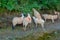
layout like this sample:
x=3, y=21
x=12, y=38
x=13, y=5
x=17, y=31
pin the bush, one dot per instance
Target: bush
x=27, y=5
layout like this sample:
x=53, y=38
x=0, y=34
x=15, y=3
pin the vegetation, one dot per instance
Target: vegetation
x=27, y=5
x=14, y=7
x=46, y=36
x=11, y=8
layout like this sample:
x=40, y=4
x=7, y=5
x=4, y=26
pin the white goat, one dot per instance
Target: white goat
x=52, y=17
x=17, y=20
x=26, y=21
x=39, y=21
x=36, y=13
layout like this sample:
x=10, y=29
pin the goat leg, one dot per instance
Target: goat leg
x=43, y=27
x=25, y=26
x=36, y=24
x=52, y=20
x=45, y=19
x=13, y=26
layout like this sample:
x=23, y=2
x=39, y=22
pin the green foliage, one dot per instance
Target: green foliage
x=11, y=4
x=46, y=36
x=27, y=5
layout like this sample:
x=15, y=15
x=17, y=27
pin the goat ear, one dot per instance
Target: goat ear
x=33, y=9
x=28, y=14
x=22, y=14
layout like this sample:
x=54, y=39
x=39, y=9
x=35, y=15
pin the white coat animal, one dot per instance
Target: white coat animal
x=17, y=20
x=39, y=21
x=26, y=21
x=36, y=13
x=52, y=17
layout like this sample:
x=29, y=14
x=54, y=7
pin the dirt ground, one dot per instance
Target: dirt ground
x=6, y=33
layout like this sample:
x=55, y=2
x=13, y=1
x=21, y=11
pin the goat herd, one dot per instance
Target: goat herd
x=37, y=18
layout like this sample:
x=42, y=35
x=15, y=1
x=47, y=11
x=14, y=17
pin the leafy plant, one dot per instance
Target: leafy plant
x=27, y=5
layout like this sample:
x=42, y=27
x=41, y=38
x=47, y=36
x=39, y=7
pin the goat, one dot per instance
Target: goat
x=36, y=13
x=17, y=20
x=39, y=21
x=52, y=17
x=26, y=21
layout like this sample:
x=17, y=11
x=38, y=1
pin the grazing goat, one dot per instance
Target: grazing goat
x=26, y=21
x=17, y=20
x=52, y=17
x=36, y=13
x=39, y=21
